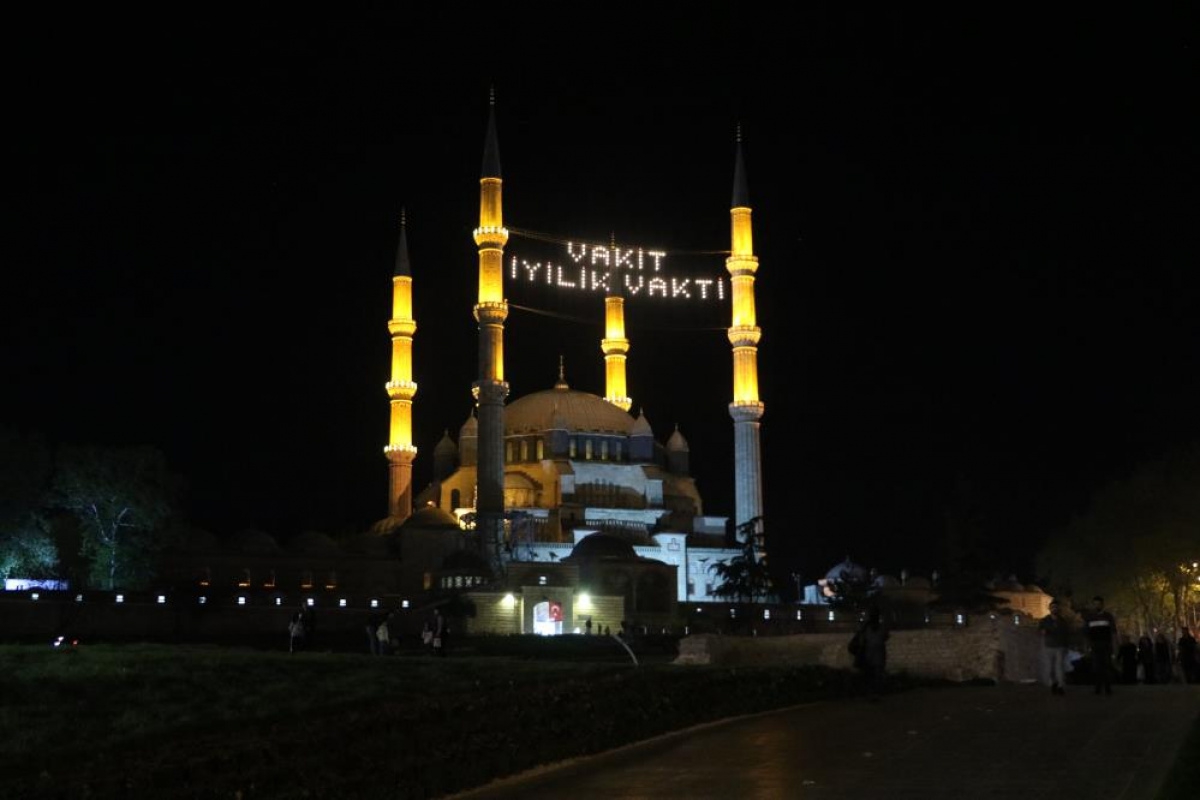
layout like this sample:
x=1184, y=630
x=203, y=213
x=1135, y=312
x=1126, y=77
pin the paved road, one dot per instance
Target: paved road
x=979, y=742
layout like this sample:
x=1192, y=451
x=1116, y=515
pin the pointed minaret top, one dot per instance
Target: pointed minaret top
x=741, y=195
x=491, y=145
x=402, y=265
x=562, y=375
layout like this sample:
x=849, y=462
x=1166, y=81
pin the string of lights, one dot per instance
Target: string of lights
x=599, y=323
x=539, y=236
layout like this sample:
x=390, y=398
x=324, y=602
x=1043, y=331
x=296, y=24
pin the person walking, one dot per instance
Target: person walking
x=1055, y=635
x=1127, y=657
x=1163, y=658
x=372, y=628
x=873, y=635
x=384, y=637
x=1145, y=658
x=1186, y=653
x=439, y=633
x=1101, y=628
x=296, y=633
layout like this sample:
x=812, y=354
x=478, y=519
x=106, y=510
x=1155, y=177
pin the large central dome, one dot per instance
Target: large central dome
x=562, y=407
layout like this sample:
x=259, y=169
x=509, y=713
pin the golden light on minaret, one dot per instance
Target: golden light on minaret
x=490, y=389
x=615, y=347
x=744, y=335
x=401, y=389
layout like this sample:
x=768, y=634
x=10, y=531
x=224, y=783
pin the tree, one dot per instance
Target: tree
x=122, y=498
x=745, y=578
x=1136, y=544
x=26, y=547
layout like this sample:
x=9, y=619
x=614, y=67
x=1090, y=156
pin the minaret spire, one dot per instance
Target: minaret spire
x=744, y=335
x=490, y=389
x=614, y=345
x=401, y=389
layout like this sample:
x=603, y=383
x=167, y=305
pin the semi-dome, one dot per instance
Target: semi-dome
x=446, y=445
x=470, y=427
x=253, y=541
x=313, y=542
x=847, y=571
x=603, y=546
x=561, y=406
x=431, y=516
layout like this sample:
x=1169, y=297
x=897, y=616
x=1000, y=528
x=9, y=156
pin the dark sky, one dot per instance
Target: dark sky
x=976, y=237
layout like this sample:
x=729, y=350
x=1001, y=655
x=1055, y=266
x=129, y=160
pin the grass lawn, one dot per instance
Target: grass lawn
x=149, y=720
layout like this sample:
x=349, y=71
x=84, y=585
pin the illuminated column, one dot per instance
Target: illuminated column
x=490, y=389
x=744, y=335
x=401, y=389
x=615, y=346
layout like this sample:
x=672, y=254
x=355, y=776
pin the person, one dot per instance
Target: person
x=1186, y=652
x=427, y=634
x=587, y=627
x=1101, y=627
x=296, y=633
x=439, y=633
x=1162, y=658
x=873, y=660
x=372, y=627
x=384, y=637
x=1054, y=631
x=1145, y=658
x=1127, y=657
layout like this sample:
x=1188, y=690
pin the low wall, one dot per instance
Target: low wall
x=994, y=650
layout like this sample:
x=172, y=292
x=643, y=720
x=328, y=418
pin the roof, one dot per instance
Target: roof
x=431, y=517
x=564, y=407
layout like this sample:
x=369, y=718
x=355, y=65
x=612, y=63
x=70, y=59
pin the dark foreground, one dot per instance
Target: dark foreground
x=979, y=742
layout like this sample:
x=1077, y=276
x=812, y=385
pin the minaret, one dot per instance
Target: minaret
x=401, y=389
x=490, y=389
x=614, y=345
x=744, y=335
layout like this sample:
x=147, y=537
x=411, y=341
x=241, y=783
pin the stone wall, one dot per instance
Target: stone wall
x=990, y=649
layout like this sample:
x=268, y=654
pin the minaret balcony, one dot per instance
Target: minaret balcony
x=489, y=391
x=401, y=390
x=741, y=265
x=618, y=347
x=402, y=327
x=744, y=335
x=746, y=411
x=400, y=452
x=491, y=313
x=622, y=403
x=491, y=236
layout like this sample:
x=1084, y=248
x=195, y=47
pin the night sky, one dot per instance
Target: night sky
x=977, y=278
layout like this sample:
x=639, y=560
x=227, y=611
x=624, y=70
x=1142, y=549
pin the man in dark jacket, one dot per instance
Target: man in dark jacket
x=1101, y=628
x=1054, y=632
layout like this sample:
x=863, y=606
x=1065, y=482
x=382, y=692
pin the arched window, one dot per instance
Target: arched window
x=541, y=449
x=524, y=450
x=587, y=449
x=616, y=451
x=270, y=582
x=331, y=581
x=244, y=583
x=306, y=580
x=508, y=452
x=604, y=449
x=574, y=448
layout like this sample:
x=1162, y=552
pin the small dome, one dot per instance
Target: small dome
x=446, y=445
x=431, y=517
x=677, y=442
x=253, y=541
x=198, y=540
x=368, y=544
x=847, y=570
x=313, y=542
x=469, y=428
x=641, y=426
x=604, y=546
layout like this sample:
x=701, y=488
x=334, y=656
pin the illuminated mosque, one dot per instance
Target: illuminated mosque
x=561, y=508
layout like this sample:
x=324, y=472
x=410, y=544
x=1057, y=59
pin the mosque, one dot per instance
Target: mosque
x=560, y=510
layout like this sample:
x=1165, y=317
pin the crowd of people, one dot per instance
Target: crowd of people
x=1149, y=660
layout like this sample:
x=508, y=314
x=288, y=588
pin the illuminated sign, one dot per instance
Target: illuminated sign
x=634, y=272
